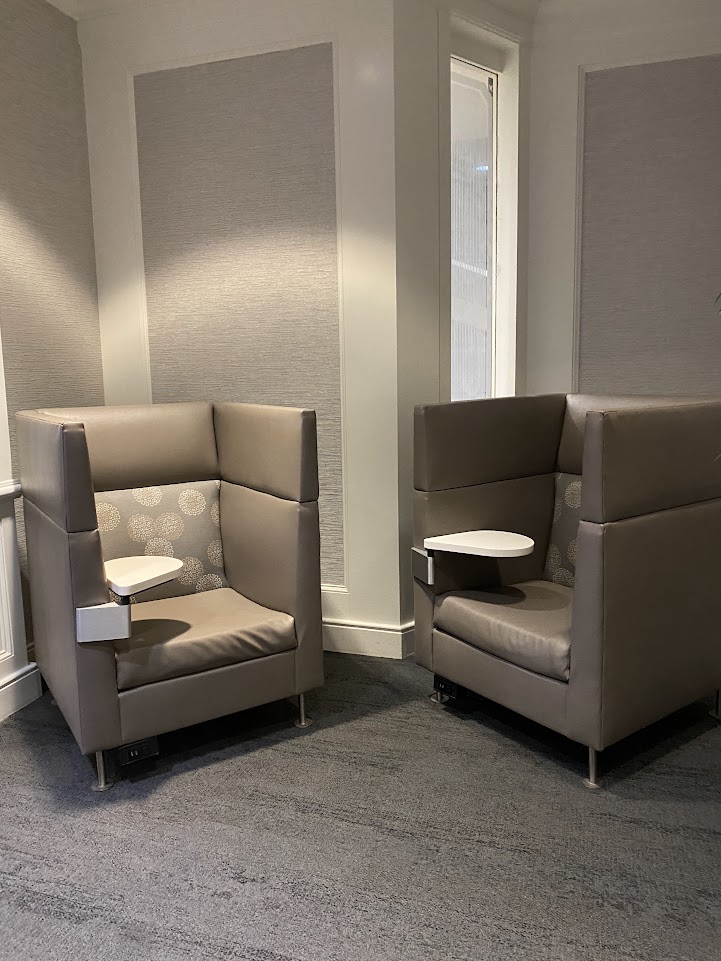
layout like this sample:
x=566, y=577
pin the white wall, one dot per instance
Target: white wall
x=388, y=55
x=364, y=614
x=50, y=350
x=570, y=36
x=427, y=33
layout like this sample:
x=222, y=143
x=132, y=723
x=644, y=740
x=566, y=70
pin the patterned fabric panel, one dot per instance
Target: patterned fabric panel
x=561, y=557
x=176, y=520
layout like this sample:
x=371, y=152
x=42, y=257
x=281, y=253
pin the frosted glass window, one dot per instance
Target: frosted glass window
x=472, y=230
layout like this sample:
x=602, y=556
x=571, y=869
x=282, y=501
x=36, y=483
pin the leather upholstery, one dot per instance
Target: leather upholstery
x=645, y=608
x=55, y=469
x=570, y=452
x=268, y=626
x=424, y=605
x=541, y=698
x=524, y=505
x=287, y=468
x=640, y=461
x=173, y=637
x=65, y=573
x=645, y=620
x=481, y=441
x=181, y=701
x=268, y=542
x=527, y=624
x=147, y=444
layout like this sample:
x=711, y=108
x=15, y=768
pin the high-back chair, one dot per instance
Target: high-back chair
x=613, y=620
x=231, y=490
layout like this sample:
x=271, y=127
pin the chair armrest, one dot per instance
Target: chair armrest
x=269, y=518
x=102, y=622
x=52, y=451
x=646, y=609
x=644, y=460
x=422, y=565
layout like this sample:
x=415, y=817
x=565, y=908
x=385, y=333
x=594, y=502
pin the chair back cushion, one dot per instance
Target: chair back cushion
x=143, y=444
x=570, y=453
x=171, y=520
x=560, y=566
x=560, y=563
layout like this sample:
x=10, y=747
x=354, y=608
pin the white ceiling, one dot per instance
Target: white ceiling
x=80, y=9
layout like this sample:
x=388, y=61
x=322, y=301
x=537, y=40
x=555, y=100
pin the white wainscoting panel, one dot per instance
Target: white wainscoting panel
x=19, y=680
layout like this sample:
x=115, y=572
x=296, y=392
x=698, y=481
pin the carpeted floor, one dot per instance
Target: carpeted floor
x=391, y=829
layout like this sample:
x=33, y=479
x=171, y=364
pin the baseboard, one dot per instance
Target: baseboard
x=19, y=690
x=371, y=640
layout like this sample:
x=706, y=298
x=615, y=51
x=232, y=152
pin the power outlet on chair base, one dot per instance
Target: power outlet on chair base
x=138, y=751
x=444, y=686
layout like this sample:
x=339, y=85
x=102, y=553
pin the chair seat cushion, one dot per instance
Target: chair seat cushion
x=177, y=636
x=527, y=624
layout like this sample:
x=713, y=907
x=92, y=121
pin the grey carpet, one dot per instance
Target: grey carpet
x=392, y=829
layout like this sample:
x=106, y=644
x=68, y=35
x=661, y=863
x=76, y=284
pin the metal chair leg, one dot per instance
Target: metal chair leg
x=716, y=710
x=438, y=698
x=303, y=720
x=103, y=782
x=592, y=780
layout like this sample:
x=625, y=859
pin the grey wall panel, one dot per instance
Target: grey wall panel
x=238, y=198
x=48, y=299
x=651, y=229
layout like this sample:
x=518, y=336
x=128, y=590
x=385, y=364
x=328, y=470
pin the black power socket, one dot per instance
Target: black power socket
x=138, y=751
x=444, y=686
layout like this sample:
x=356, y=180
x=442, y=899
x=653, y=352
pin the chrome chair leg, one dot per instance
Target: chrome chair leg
x=303, y=720
x=103, y=782
x=438, y=698
x=716, y=710
x=592, y=780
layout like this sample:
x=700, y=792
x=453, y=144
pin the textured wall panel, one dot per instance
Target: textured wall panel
x=48, y=299
x=651, y=250
x=238, y=197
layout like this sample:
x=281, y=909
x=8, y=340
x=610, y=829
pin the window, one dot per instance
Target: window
x=473, y=203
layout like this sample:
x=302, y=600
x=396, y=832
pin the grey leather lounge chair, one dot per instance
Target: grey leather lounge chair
x=613, y=621
x=229, y=489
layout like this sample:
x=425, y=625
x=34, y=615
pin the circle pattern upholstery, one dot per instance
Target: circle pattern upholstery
x=176, y=520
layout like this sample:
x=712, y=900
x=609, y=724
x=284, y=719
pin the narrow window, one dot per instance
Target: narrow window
x=473, y=201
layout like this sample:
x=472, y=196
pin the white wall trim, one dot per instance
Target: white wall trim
x=19, y=680
x=10, y=488
x=577, y=253
x=373, y=640
x=509, y=19
x=19, y=689
x=473, y=43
